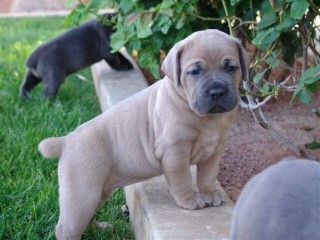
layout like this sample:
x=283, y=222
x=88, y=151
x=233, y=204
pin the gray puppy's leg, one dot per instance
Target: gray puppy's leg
x=52, y=82
x=30, y=81
x=118, y=62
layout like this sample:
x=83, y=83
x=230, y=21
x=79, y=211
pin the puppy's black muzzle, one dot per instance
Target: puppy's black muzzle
x=218, y=90
x=215, y=96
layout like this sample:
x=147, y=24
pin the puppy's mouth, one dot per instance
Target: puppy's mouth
x=219, y=109
x=206, y=104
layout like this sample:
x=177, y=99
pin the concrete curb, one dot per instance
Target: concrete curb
x=114, y=86
x=153, y=212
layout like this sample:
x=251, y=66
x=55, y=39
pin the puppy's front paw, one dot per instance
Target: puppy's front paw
x=192, y=203
x=212, y=199
x=101, y=225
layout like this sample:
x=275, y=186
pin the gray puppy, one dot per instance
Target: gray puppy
x=282, y=202
x=71, y=51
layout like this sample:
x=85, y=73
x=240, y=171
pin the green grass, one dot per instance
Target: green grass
x=29, y=192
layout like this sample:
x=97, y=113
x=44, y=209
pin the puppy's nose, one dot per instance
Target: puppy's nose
x=218, y=90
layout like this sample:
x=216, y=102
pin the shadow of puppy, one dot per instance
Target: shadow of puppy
x=77, y=48
x=282, y=202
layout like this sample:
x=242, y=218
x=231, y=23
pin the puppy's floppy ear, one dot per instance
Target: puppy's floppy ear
x=171, y=64
x=244, y=61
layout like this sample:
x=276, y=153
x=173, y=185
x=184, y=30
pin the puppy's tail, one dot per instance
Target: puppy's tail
x=51, y=147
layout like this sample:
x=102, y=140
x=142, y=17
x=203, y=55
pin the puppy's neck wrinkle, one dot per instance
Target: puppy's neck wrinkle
x=177, y=95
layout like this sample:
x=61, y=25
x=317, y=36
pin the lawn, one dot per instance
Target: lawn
x=29, y=192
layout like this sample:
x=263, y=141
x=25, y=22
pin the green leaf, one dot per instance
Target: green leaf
x=143, y=26
x=270, y=38
x=145, y=56
x=156, y=41
x=272, y=60
x=313, y=145
x=117, y=41
x=287, y=24
x=162, y=19
x=144, y=32
x=266, y=37
x=165, y=28
x=313, y=87
x=126, y=5
x=135, y=44
x=258, y=76
x=181, y=22
x=146, y=20
x=277, y=4
x=304, y=95
x=69, y=3
x=267, y=20
x=308, y=82
x=75, y=16
x=167, y=4
x=265, y=88
x=154, y=68
x=95, y=5
x=298, y=8
x=234, y=2
x=167, y=12
x=310, y=76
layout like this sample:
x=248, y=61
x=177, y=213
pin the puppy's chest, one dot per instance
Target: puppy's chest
x=204, y=147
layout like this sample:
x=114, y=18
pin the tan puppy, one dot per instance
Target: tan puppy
x=181, y=120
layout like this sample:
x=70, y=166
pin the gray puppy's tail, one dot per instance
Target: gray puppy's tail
x=51, y=147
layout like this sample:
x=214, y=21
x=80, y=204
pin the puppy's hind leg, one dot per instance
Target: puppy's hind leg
x=104, y=196
x=76, y=211
x=80, y=192
x=29, y=82
x=52, y=81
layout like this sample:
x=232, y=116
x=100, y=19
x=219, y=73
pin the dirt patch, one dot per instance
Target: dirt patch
x=250, y=148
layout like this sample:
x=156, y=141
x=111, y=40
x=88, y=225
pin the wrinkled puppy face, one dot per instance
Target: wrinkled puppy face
x=210, y=65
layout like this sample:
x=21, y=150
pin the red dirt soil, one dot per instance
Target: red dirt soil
x=250, y=148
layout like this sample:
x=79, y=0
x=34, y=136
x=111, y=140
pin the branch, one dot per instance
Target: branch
x=314, y=7
x=262, y=121
x=228, y=19
x=254, y=106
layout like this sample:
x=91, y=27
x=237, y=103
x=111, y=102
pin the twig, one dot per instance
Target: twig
x=228, y=19
x=245, y=23
x=218, y=19
x=287, y=88
x=286, y=66
x=249, y=106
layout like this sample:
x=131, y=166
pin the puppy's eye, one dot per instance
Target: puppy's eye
x=194, y=72
x=231, y=69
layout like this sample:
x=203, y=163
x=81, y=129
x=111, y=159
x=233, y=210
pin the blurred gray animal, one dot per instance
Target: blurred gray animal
x=282, y=202
x=71, y=51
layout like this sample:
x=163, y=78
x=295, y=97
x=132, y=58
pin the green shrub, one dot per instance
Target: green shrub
x=286, y=30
